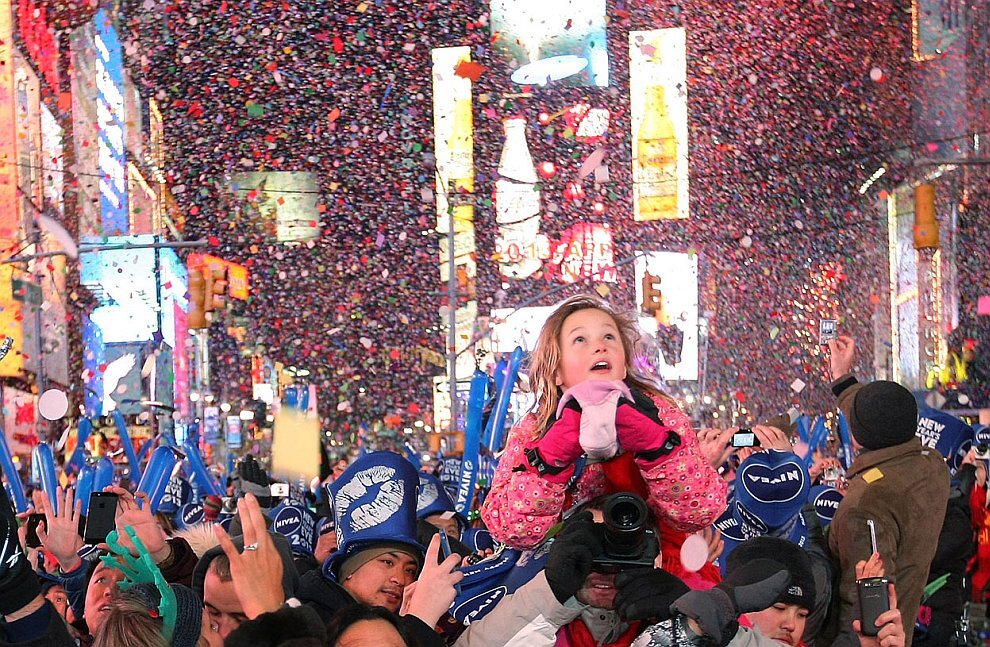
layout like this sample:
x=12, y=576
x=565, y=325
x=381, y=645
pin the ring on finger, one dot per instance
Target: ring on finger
x=253, y=546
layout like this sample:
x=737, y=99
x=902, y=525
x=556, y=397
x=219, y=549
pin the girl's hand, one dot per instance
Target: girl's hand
x=59, y=533
x=716, y=445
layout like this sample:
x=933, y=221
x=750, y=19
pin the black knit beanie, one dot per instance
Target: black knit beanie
x=801, y=590
x=189, y=611
x=883, y=414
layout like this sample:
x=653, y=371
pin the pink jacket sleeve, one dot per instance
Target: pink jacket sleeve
x=684, y=490
x=521, y=506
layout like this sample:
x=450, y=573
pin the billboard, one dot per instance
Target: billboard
x=285, y=199
x=675, y=327
x=110, y=119
x=904, y=289
x=9, y=217
x=552, y=42
x=124, y=280
x=19, y=420
x=658, y=106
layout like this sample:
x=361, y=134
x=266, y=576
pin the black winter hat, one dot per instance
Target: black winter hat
x=801, y=590
x=883, y=414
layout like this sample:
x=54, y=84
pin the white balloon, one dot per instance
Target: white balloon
x=694, y=553
x=53, y=404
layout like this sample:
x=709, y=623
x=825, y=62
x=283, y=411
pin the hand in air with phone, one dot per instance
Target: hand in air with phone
x=429, y=597
x=880, y=623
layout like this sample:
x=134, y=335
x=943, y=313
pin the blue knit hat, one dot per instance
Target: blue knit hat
x=771, y=487
x=374, y=502
x=826, y=500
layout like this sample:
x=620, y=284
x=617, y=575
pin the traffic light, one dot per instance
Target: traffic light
x=651, y=295
x=196, y=318
x=216, y=288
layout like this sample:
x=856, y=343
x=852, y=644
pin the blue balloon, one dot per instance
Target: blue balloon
x=13, y=476
x=104, y=474
x=84, y=430
x=157, y=475
x=44, y=461
x=472, y=443
x=84, y=486
x=125, y=442
x=203, y=480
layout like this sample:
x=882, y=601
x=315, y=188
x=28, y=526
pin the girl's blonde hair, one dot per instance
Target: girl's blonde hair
x=545, y=358
x=129, y=624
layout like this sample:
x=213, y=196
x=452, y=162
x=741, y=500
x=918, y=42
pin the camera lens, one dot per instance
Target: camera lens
x=625, y=518
x=982, y=449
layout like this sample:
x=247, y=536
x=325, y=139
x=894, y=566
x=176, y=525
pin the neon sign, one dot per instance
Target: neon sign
x=111, y=119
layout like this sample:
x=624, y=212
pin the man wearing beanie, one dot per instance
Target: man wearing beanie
x=895, y=482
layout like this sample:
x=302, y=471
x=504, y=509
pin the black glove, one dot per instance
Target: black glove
x=752, y=587
x=571, y=555
x=18, y=583
x=255, y=480
x=647, y=593
x=966, y=476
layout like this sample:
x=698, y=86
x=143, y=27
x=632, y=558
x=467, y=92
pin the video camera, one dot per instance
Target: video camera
x=629, y=543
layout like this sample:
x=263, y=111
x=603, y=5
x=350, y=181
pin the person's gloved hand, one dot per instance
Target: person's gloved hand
x=641, y=430
x=647, y=593
x=571, y=555
x=18, y=582
x=598, y=400
x=254, y=480
x=553, y=455
x=752, y=587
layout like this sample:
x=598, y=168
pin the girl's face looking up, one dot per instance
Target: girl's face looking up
x=590, y=349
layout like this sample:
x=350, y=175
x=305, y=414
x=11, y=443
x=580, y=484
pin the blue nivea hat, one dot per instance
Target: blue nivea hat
x=826, y=500
x=478, y=539
x=374, y=502
x=490, y=580
x=433, y=499
x=981, y=434
x=188, y=515
x=771, y=487
x=948, y=435
x=177, y=493
x=296, y=523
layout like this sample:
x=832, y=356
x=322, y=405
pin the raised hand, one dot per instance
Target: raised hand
x=433, y=592
x=716, y=445
x=135, y=511
x=257, y=570
x=842, y=352
x=891, y=624
x=59, y=533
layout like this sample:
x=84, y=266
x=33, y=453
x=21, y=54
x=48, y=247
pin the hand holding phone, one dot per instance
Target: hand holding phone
x=828, y=329
x=32, y=540
x=102, y=517
x=874, y=598
x=745, y=438
x=445, y=552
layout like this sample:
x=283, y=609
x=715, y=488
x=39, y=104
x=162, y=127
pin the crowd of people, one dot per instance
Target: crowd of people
x=610, y=521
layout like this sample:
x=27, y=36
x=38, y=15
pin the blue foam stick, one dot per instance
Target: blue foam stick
x=146, y=447
x=205, y=483
x=501, y=410
x=846, y=440
x=472, y=443
x=84, y=429
x=818, y=434
x=499, y=378
x=104, y=474
x=157, y=474
x=13, y=476
x=84, y=486
x=804, y=428
x=125, y=442
x=44, y=460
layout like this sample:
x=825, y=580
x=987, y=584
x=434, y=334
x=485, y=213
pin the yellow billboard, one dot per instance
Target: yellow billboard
x=658, y=106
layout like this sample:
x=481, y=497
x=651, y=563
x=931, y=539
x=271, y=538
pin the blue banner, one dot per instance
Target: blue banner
x=472, y=443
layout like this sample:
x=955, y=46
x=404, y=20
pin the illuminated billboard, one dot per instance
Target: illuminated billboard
x=286, y=199
x=111, y=118
x=658, y=106
x=124, y=280
x=675, y=327
x=552, y=42
x=904, y=292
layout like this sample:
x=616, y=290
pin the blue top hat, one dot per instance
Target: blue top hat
x=826, y=500
x=433, y=499
x=296, y=523
x=736, y=526
x=948, y=435
x=771, y=487
x=374, y=502
x=177, y=493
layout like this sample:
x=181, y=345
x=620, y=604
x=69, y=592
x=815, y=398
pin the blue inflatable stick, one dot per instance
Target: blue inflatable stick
x=472, y=443
x=804, y=428
x=205, y=483
x=82, y=435
x=104, y=475
x=819, y=432
x=496, y=424
x=84, y=486
x=13, y=476
x=44, y=461
x=846, y=440
x=125, y=442
x=157, y=475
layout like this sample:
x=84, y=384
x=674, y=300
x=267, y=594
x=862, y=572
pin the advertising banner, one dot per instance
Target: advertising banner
x=111, y=120
x=19, y=419
x=658, y=105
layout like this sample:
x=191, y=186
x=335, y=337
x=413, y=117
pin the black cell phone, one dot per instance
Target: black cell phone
x=873, y=601
x=32, y=540
x=745, y=438
x=102, y=517
x=445, y=553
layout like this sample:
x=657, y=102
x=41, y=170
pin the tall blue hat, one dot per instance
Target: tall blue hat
x=826, y=500
x=478, y=539
x=177, y=493
x=374, y=502
x=948, y=435
x=324, y=526
x=296, y=523
x=771, y=488
x=188, y=515
x=433, y=499
x=981, y=434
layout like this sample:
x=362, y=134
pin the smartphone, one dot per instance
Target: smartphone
x=445, y=553
x=745, y=438
x=830, y=474
x=32, y=540
x=102, y=517
x=873, y=596
x=828, y=329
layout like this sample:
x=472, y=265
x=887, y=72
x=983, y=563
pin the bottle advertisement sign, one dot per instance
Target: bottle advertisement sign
x=658, y=105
